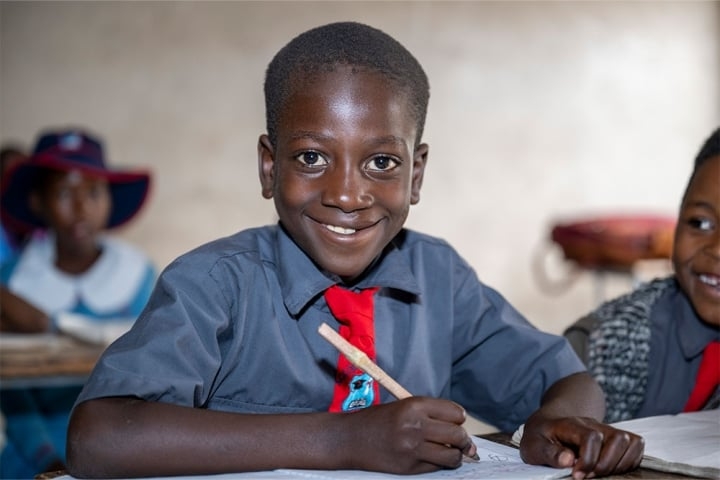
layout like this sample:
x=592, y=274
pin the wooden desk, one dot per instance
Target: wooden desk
x=41, y=360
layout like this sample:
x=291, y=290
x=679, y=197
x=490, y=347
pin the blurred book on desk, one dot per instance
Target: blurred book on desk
x=61, y=358
x=92, y=330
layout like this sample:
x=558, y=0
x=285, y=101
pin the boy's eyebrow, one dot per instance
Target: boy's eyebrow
x=390, y=139
x=700, y=204
x=385, y=140
x=299, y=135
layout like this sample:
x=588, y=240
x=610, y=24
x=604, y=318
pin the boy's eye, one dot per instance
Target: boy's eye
x=312, y=159
x=63, y=193
x=97, y=190
x=700, y=223
x=382, y=163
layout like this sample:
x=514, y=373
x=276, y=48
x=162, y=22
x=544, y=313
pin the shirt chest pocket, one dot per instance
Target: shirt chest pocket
x=260, y=382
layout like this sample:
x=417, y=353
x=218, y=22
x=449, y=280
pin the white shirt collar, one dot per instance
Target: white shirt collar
x=107, y=286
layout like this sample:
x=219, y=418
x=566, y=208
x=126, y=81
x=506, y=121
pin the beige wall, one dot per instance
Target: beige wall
x=538, y=111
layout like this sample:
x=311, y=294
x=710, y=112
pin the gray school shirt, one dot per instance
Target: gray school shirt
x=232, y=326
x=677, y=340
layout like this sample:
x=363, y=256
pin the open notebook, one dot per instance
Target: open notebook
x=687, y=443
x=496, y=462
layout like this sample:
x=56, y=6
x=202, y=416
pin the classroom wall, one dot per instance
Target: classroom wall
x=539, y=111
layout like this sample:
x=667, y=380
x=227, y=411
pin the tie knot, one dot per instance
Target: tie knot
x=354, y=309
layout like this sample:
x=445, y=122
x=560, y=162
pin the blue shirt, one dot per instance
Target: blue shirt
x=7, y=249
x=677, y=340
x=233, y=325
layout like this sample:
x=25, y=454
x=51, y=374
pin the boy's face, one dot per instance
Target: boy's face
x=76, y=207
x=696, y=251
x=345, y=169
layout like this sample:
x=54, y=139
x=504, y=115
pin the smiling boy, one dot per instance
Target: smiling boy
x=647, y=347
x=225, y=370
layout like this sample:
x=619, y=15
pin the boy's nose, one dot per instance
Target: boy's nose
x=712, y=248
x=346, y=188
x=82, y=204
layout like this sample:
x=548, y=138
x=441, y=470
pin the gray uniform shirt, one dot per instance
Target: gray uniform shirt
x=233, y=325
x=677, y=340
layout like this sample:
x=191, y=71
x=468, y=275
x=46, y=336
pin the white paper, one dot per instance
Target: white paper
x=93, y=331
x=496, y=462
x=683, y=443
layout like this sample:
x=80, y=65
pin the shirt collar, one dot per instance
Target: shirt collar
x=693, y=334
x=107, y=286
x=301, y=281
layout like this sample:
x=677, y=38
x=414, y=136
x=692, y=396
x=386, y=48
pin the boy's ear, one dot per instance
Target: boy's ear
x=266, y=165
x=419, y=161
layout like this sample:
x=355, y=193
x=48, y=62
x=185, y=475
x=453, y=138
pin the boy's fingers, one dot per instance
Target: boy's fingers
x=445, y=411
x=555, y=455
x=470, y=451
x=446, y=433
x=442, y=456
x=619, y=451
x=452, y=436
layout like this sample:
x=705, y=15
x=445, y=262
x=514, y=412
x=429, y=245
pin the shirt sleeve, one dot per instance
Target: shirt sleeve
x=6, y=270
x=503, y=364
x=144, y=291
x=578, y=334
x=171, y=354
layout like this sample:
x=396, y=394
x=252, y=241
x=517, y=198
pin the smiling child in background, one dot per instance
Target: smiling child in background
x=66, y=188
x=646, y=348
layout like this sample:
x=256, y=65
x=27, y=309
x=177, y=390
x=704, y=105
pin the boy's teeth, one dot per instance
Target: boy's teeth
x=344, y=231
x=710, y=280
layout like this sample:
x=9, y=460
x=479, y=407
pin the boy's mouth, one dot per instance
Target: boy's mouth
x=711, y=280
x=709, y=284
x=340, y=230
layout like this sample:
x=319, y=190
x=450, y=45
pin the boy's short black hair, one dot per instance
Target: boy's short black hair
x=709, y=149
x=7, y=153
x=349, y=44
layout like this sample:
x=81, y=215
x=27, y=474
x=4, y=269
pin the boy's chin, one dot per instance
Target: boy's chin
x=348, y=274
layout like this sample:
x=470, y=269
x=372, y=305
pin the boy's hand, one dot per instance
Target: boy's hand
x=414, y=435
x=592, y=448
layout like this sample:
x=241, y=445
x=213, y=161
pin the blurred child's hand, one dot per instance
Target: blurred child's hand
x=592, y=448
x=409, y=436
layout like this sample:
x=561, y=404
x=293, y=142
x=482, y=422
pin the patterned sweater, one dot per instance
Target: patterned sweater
x=619, y=346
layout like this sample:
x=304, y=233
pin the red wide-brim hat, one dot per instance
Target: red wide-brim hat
x=72, y=151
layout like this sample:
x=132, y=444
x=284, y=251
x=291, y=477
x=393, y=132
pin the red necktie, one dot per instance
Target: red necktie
x=354, y=389
x=708, y=378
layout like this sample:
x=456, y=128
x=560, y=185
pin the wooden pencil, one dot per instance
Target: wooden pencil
x=360, y=359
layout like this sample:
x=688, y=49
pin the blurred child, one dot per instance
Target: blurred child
x=66, y=188
x=225, y=370
x=12, y=235
x=646, y=348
